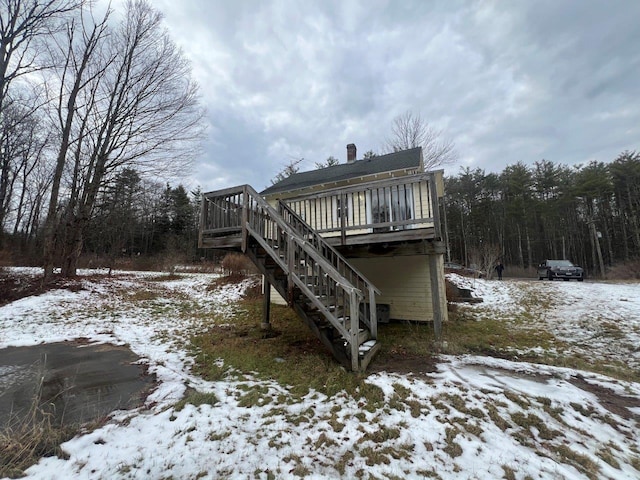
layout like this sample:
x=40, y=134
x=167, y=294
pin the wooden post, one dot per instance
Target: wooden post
x=204, y=214
x=342, y=199
x=291, y=259
x=373, y=314
x=354, y=331
x=436, y=296
x=245, y=217
x=435, y=208
x=266, y=305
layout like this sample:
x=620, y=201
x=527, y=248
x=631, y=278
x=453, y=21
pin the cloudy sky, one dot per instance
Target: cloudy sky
x=505, y=81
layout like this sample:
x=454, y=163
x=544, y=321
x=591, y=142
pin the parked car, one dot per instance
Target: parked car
x=564, y=269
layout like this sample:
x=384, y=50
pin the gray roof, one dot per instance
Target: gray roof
x=406, y=159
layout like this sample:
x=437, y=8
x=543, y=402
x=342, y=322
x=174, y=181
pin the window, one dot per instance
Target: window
x=390, y=205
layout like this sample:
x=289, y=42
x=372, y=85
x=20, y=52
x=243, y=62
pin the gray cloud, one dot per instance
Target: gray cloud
x=506, y=81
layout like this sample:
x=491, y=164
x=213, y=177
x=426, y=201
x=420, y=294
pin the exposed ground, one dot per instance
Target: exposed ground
x=14, y=287
x=539, y=381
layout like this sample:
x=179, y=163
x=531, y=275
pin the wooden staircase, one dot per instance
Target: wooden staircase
x=328, y=294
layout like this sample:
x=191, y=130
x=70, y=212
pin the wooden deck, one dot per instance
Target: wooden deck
x=301, y=245
x=403, y=209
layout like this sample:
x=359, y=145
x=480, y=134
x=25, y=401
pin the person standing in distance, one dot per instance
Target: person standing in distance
x=499, y=269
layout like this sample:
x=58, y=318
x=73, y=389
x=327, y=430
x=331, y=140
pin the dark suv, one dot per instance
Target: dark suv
x=563, y=269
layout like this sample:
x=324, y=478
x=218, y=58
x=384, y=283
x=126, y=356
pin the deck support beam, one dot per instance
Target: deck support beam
x=266, y=305
x=438, y=293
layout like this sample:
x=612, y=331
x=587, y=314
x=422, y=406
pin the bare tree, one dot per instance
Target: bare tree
x=22, y=22
x=484, y=257
x=409, y=130
x=127, y=100
x=75, y=75
x=23, y=140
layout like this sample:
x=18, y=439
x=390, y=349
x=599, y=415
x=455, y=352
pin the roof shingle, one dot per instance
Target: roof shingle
x=406, y=159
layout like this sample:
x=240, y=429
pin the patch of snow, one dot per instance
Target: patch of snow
x=466, y=420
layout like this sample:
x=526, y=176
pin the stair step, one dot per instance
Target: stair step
x=366, y=346
x=367, y=351
x=330, y=300
x=363, y=337
x=312, y=306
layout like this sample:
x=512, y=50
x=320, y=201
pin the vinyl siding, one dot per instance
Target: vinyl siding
x=277, y=298
x=404, y=282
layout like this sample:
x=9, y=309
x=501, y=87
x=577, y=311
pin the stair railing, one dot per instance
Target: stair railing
x=299, y=260
x=338, y=261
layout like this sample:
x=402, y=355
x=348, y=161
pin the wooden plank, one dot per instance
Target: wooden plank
x=368, y=356
x=223, y=243
x=224, y=192
x=221, y=231
x=386, y=237
x=434, y=205
x=354, y=328
x=436, y=296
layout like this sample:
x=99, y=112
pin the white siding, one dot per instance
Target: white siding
x=404, y=282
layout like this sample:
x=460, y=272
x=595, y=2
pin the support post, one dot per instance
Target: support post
x=342, y=202
x=204, y=214
x=245, y=217
x=291, y=259
x=354, y=331
x=373, y=314
x=435, y=208
x=438, y=294
x=266, y=305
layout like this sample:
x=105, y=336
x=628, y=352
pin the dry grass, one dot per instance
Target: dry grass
x=583, y=463
x=25, y=442
x=629, y=270
x=244, y=347
x=31, y=436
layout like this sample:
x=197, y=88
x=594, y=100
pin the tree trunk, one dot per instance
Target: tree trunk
x=529, y=253
x=520, y=250
x=72, y=248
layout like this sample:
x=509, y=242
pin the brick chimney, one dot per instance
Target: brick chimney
x=351, y=153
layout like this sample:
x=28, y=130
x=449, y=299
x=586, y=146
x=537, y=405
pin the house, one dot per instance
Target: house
x=346, y=246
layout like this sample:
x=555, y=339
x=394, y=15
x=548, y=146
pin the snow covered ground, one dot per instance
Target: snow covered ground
x=476, y=417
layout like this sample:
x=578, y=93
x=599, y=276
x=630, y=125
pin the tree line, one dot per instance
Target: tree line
x=93, y=104
x=585, y=213
x=95, y=108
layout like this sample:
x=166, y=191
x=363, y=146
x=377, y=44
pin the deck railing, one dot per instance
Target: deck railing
x=402, y=203
x=334, y=257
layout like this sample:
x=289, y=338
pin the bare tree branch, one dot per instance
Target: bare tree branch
x=21, y=23
x=410, y=131
x=130, y=103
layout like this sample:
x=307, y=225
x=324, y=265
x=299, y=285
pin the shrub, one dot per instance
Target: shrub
x=629, y=270
x=236, y=265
